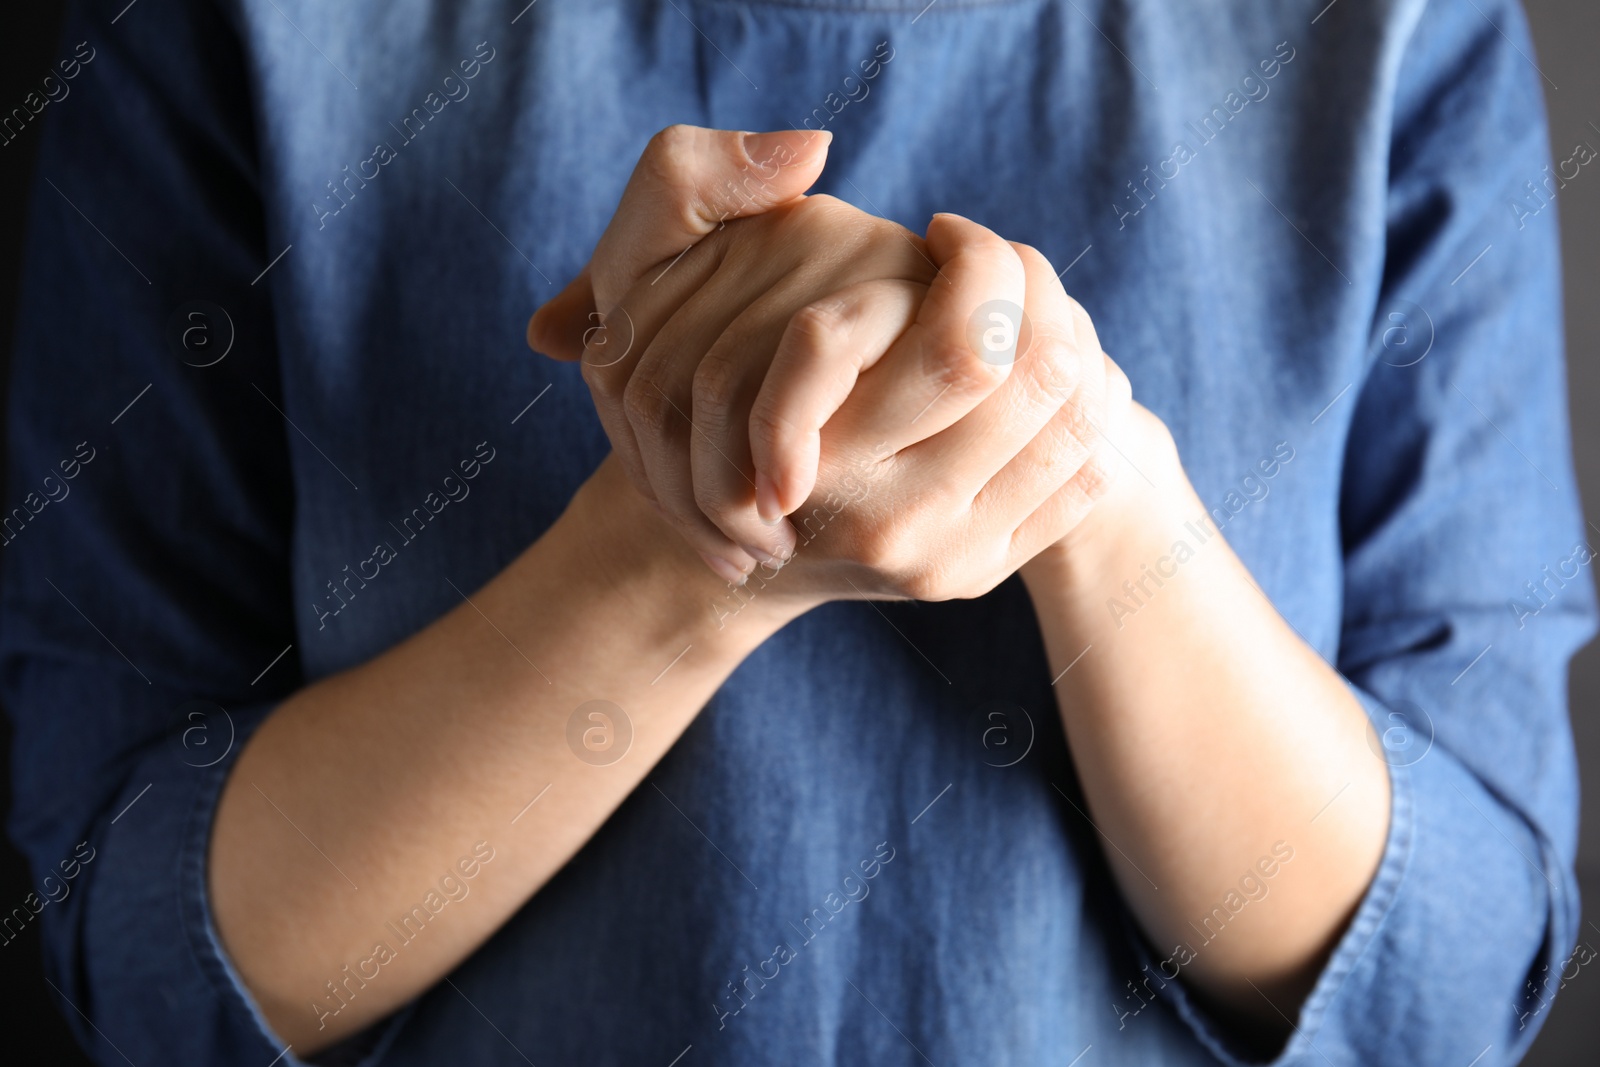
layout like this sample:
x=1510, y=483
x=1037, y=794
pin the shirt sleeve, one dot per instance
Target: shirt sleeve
x=1467, y=581
x=145, y=612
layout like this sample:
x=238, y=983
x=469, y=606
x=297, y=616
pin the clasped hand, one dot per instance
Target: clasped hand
x=768, y=364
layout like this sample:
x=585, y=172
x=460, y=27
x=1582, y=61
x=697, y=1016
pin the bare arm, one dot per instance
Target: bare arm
x=398, y=767
x=1205, y=733
x=359, y=792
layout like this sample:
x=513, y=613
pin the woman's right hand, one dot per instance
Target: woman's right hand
x=945, y=469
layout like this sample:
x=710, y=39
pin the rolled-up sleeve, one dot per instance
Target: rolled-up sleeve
x=1468, y=579
x=145, y=627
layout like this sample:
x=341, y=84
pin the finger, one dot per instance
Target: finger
x=659, y=404
x=688, y=182
x=1026, y=439
x=1068, y=506
x=935, y=374
x=824, y=349
x=815, y=356
x=561, y=326
x=1058, y=454
x=723, y=390
x=613, y=349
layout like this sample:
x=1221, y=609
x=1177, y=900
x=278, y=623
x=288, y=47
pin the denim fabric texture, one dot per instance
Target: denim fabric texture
x=1298, y=232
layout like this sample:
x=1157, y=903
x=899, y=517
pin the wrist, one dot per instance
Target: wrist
x=621, y=548
x=1149, y=500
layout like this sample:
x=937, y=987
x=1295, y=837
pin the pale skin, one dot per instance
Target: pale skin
x=1204, y=730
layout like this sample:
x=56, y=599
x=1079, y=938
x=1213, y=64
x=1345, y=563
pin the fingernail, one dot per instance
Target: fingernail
x=725, y=570
x=762, y=147
x=767, y=505
x=768, y=559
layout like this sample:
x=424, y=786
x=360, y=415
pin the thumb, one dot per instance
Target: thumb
x=688, y=182
x=560, y=328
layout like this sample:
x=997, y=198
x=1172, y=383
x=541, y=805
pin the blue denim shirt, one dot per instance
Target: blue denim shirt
x=281, y=258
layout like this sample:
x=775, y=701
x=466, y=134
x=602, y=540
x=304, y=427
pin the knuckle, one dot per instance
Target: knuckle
x=712, y=500
x=1067, y=458
x=1095, y=477
x=1066, y=447
x=716, y=386
x=820, y=328
x=1081, y=426
x=647, y=408
x=840, y=219
x=607, y=383
x=824, y=206
x=670, y=159
x=956, y=367
x=669, y=152
x=975, y=245
x=1119, y=389
x=771, y=428
x=1031, y=257
x=993, y=253
x=1116, y=378
x=1055, y=364
x=1082, y=326
x=849, y=231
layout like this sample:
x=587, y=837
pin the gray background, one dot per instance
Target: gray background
x=1567, y=33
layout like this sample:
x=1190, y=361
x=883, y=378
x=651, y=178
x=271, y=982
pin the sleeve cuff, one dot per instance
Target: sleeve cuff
x=362, y=1050
x=1358, y=938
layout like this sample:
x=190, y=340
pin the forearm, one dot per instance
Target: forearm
x=397, y=768
x=1205, y=732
